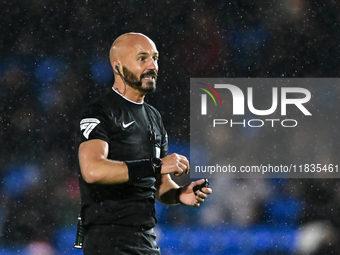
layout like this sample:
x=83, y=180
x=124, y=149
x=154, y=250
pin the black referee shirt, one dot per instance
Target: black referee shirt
x=133, y=131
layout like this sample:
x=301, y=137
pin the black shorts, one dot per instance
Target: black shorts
x=120, y=240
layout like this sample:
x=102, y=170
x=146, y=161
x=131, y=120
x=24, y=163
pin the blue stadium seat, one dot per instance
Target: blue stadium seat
x=260, y=239
x=283, y=210
x=13, y=251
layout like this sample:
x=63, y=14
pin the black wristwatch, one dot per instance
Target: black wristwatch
x=157, y=164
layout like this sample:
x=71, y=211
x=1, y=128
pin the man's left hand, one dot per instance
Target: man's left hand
x=188, y=197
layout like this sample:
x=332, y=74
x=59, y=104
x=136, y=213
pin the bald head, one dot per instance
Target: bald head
x=127, y=42
x=134, y=59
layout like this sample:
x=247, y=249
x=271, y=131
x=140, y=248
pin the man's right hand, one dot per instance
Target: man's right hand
x=176, y=164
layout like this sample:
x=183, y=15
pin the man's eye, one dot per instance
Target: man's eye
x=155, y=59
x=141, y=59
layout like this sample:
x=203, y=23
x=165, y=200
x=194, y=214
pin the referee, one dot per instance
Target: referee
x=123, y=157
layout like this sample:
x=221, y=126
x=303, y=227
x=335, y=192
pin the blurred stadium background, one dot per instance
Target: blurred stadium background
x=54, y=58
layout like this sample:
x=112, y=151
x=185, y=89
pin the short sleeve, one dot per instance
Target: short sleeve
x=93, y=124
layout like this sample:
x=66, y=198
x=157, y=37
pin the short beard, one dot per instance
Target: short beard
x=129, y=76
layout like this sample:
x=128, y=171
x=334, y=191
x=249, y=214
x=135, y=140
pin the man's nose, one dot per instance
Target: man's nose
x=153, y=64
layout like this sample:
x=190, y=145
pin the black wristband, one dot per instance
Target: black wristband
x=139, y=169
x=178, y=193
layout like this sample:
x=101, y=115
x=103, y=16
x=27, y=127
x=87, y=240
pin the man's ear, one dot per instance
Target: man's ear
x=116, y=66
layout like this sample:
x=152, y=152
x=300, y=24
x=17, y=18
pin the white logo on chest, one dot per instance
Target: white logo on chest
x=128, y=124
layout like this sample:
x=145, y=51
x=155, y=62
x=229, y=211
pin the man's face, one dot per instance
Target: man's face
x=140, y=63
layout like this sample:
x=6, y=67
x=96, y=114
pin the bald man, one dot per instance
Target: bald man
x=123, y=157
